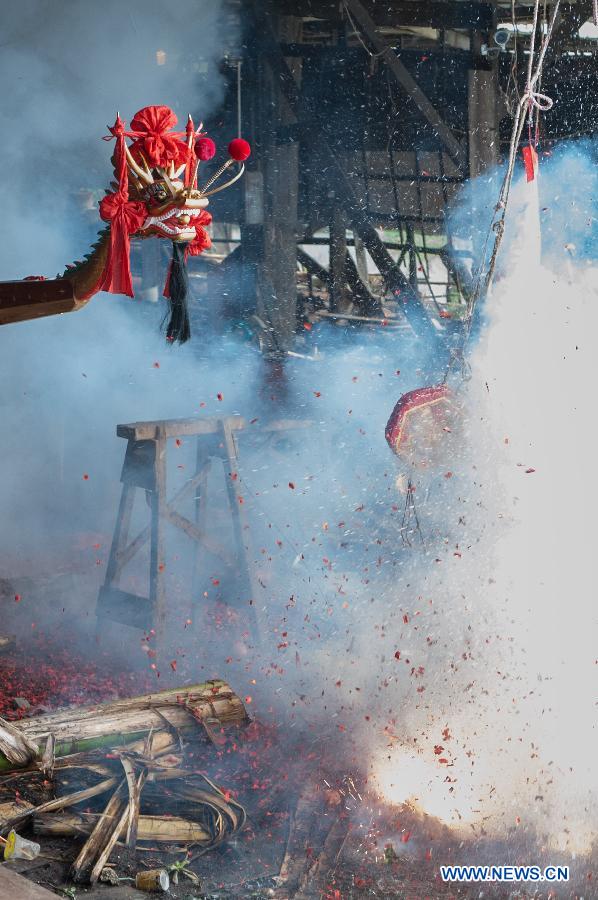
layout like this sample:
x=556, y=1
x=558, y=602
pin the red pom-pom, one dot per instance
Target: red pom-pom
x=239, y=149
x=205, y=148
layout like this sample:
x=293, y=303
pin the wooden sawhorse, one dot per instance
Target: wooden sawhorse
x=145, y=469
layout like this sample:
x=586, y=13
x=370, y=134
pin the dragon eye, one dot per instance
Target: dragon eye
x=158, y=191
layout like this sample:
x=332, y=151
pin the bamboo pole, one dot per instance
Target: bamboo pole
x=79, y=730
x=157, y=829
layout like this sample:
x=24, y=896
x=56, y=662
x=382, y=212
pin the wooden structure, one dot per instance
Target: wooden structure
x=145, y=469
x=367, y=116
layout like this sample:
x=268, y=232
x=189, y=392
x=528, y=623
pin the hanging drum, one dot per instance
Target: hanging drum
x=420, y=426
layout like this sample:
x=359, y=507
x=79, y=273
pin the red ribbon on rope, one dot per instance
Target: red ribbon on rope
x=530, y=160
x=125, y=217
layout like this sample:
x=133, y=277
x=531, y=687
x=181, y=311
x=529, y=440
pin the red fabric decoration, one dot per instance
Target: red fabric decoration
x=239, y=149
x=530, y=159
x=151, y=126
x=202, y=238
x=205, y=149
x=125, y=217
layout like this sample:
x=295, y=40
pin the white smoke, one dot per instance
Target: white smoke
x=519, y=700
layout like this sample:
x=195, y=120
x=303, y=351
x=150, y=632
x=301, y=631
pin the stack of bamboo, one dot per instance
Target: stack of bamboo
x=142, y=774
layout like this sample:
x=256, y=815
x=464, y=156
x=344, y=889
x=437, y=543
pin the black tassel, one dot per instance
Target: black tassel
x=178, y=328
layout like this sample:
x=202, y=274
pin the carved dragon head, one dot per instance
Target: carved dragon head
x=156, y=193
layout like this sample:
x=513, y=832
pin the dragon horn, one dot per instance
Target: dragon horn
x=139, y=172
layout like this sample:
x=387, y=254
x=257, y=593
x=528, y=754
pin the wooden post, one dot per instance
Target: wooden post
x=412, y=259
x=242, y=536
x=338, y=256
x=157, y=561
x=121, y=534
x=483, y=120
x=270, y=235
x=361, y=260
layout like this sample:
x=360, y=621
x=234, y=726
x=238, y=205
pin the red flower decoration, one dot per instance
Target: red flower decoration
x=239, y=149
x=205, y=148
x=150, y=126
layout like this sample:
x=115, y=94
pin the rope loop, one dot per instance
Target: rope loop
x=538, y=100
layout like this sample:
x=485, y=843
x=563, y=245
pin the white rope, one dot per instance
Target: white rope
x=531, y=99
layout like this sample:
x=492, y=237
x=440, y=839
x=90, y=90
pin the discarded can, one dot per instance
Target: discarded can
x=155, y=880
x=17, y=847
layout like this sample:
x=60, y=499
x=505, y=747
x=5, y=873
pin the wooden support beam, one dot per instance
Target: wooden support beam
x=393, y=13
x=313, y=266
x=407, y=82
x=338, y=256
x=271, y=193
x=157, y=591
x=484, y=139
x=358, y=282
x=334, y=173
x=359, y=289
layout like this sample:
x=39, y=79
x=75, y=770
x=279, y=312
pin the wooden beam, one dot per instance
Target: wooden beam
x=359, y=289
x=313, y=266
x=173, y=428
x=427, y=14
x=406, y=81
x=338, y=255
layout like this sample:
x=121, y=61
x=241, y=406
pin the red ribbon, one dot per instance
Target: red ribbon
x=125, y=217
x=530, y=160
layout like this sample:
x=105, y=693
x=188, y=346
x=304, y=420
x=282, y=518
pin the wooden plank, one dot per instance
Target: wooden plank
x=202, y=537
x=16, y=887
x=139, y=431
x=190, y=427
x=407, y=82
